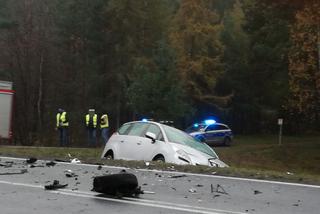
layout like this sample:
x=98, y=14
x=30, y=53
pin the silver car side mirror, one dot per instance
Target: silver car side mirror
x=151, y=136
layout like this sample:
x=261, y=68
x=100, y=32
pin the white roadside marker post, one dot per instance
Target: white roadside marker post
x=280, y=123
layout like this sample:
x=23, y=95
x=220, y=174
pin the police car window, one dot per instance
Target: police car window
x=124, y=129
x=211, y=128
x=154, y=129
x=221, y=127
x=138, y=129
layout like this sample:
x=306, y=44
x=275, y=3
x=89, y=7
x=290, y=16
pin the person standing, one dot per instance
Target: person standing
x=104, y=126
x=91, y=124
x=62, y=125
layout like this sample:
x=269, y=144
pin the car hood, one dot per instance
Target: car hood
x=199, y=158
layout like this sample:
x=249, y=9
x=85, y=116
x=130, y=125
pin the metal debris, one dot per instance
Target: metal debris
x=7, y=165
x=70, y=173
x=55, y=185
x=99, y=167
x=21, y=171
x=51, y=163
x=177, y=176
x=75, y=161
x=33, y=166
x=218, y=189
x=31, y=160
x=257, y=192
x=192, y=190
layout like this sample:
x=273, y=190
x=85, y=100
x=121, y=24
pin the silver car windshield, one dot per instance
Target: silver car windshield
x=180, y=137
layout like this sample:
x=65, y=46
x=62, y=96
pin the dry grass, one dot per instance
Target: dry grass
x=252, y=156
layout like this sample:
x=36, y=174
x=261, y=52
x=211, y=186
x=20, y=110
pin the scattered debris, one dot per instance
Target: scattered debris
x=121, y=184
x=75, y=161
x=192, y=190
x=22, y=171
x=213, y=173
x=177, y=176
x=218, y=189
x=99, y=167
x=59, y=160
x=51, y=163
x=171, y=168
x=216, y=195
x=6, y=165
x=33, y=166
x=145, y=184
x=31, y=160
x=296, y=205
x=174, y=188
x=55, y=185
x=70, y=173
x=199, y=185
x=257, y=192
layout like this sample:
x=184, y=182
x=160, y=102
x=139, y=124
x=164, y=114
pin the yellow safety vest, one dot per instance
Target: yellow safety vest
x=58, y=120
x=104, y=123
x=62, y=120
x=94, y=120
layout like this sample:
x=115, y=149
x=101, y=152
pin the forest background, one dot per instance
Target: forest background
x=244, y=62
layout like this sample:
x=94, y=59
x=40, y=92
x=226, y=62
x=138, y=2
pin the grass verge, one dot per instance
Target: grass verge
x=256, y=157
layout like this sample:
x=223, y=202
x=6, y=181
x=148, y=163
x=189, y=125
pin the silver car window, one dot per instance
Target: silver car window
x=154, y=129
x=124, y=129
x=180, y=137
x=138, y=129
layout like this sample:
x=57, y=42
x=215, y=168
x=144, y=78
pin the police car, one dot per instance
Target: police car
x=211, y=132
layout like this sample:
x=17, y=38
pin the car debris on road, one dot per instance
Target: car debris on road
x=218, y=189
x=55, y=185
x=19, y=172
x=119, y=185
x=31, y=160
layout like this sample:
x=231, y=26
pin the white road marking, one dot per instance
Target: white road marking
x=133, y=201
x=193, y=174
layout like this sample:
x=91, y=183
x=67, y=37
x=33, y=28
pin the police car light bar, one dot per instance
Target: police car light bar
x=209, y=122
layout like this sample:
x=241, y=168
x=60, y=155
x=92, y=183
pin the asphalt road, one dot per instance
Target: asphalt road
x=190, y=193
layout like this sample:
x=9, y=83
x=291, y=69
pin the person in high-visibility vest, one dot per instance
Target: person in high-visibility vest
x=104, y=126
x=91, y=124
x=62, y=125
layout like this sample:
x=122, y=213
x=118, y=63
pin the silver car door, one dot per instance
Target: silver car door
x=130, y=146
x=148, y=148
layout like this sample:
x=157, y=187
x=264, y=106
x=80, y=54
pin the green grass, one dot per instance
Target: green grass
x=296, y=154
x=296, y=160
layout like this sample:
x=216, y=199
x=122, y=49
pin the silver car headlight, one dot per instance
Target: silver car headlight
x=182, y=155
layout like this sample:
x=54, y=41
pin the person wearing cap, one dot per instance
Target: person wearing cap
x=91, y=125
x=104, y=126
x=62, y=125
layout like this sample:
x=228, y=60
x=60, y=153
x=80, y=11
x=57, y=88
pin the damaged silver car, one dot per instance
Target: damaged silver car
x=152, y=141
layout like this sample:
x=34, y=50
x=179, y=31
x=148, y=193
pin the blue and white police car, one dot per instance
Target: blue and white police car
x=211, y=133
